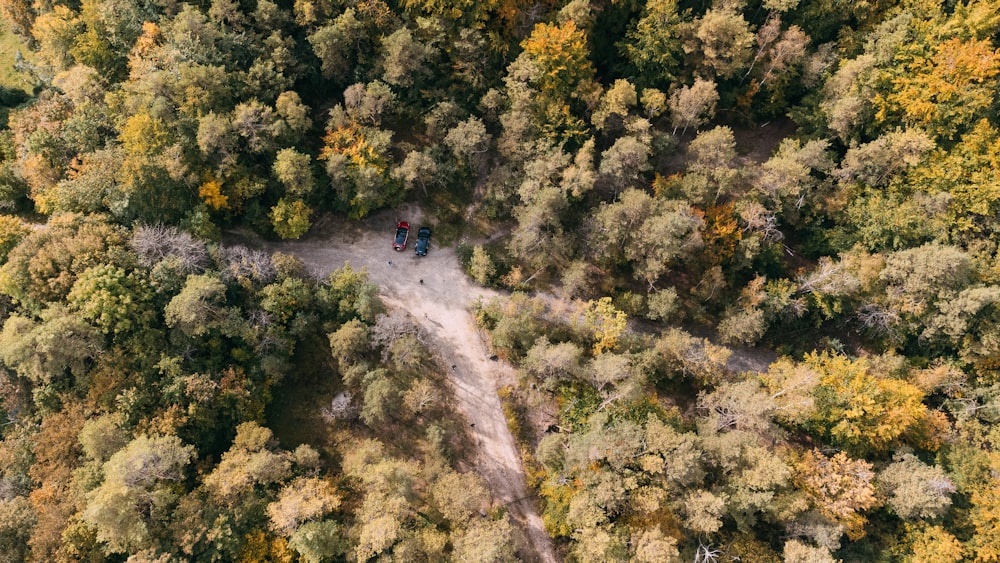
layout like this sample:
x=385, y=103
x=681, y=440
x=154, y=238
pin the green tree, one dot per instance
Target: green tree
x=418, y=168
x=713, y=174
x=916, y=490
x=294, y=115
x=691, y=106
x=43, y=352
x=352, y=295
x=687, y=356
x=302, y=500
x=481, y=266
x=318, y=541
x=551, y=363
x=654, y=45
x=486, y=540
x=403, y=58
x=919, y=279
x=137, y=494
x=17, y=519
x=720, y=42
x=290, y=218
x=468, y=140
x=650, y=234
x=113, y=300
x=44, y=266
x=199, y=307
x=876, y=163
x=368, y=103
x=252, y=461
x=293, y=169
x=336, y=44
x=538, y=240
x=217, y=137
x=102, y=437
x=625, y=162
x=357, y=156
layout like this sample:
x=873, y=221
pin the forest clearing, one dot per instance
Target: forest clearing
x=704, y=281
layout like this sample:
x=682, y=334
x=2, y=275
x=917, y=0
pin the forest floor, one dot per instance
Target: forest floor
x=442, y=304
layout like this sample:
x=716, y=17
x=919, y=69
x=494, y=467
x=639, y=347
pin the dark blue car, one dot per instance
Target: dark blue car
x=423, y=241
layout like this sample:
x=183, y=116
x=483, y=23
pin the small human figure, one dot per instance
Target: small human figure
x=421, y=281
x=389, y=262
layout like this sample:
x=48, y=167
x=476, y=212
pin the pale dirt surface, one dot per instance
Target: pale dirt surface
x=442, y=305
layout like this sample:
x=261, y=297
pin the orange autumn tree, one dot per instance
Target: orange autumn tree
x=839, y=487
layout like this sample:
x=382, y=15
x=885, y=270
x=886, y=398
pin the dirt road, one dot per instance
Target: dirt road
x=442, y=305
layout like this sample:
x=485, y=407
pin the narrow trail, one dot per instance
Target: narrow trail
x=439, y=296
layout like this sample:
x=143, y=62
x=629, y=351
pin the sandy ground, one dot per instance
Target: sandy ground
x=442, y=304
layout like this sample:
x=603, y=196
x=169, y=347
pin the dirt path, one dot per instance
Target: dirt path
x=442, y=305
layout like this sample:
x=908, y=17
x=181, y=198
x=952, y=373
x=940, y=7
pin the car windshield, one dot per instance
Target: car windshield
x=400, y=235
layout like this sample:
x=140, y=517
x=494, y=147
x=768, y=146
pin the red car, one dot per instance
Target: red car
x=402, y=231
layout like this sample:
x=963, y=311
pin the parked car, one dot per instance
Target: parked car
x=402, y=231
x=423, y=240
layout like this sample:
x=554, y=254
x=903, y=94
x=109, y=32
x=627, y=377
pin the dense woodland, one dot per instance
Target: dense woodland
x=672, y=181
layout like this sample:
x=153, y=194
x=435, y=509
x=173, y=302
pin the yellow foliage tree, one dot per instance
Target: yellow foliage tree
x=350, y=141
x=12, y=230
x=942, y=92
x=211, y=193
x=144, y=135
x=931, y=543
x=55, y=32
x=561, y=55
x=968, y=173
x=260, y=547
x=607, y=322
x=860, y=410
x=985, y=517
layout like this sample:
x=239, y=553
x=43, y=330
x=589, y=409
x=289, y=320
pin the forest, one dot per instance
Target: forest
x=655, y=187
